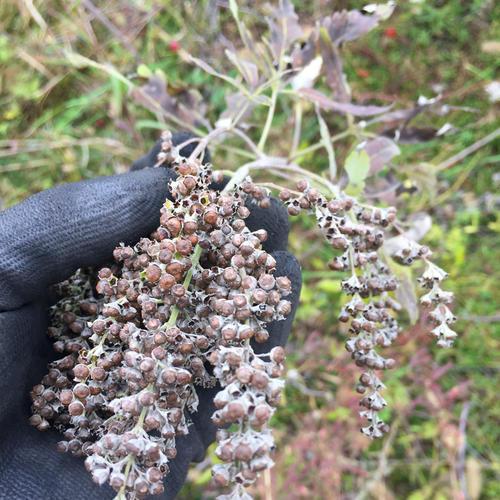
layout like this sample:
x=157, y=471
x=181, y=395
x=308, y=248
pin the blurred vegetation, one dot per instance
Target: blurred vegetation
x=64, y=119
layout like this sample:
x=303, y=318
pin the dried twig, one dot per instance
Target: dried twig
x=103, y=19
x=469, y=150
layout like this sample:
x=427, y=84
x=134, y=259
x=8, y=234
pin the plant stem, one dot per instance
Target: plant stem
x=319, y=145
x=469, y=150
x=237, y=151
x=283, y=164
x=174, y=312
x=275, y=90
x=238, y=176
x=269, y=119
x=231, y=129
x=297, y=128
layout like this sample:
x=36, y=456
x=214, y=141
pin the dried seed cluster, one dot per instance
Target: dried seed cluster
x=441, y=315
x=252, y=389
x=177, y=310
x=431, y=279
x=358, y=232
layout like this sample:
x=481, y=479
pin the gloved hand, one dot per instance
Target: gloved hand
x=43, y=240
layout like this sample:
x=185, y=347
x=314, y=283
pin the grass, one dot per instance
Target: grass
x=64, y=118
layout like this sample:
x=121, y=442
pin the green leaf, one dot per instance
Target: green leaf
x=161, y=74
x=357, y=165
x=329, y=286
x=80, y=61
x=143, y=71
x=152, y=124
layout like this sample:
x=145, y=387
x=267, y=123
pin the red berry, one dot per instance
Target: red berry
x=174, y=46
x=390, y=32
x=362, y=73
x=100, y=123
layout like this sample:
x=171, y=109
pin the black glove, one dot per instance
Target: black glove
x=43, y=240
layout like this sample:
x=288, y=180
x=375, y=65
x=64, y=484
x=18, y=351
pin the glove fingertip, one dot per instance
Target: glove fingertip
x=274, y=219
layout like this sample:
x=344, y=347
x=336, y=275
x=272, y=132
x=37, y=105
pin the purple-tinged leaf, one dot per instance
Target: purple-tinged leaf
x=234, y=104
x=407, y=115
x=381, y=151
x=154, y=96
x=342, y=107
x=384, y=189
x=284, y=27
x=204, y=66
x=192, y=108
x=345, y=26
x=247, y=69
x=303, y=54
x=211, y=71
x=398, y=115
x=332, y=62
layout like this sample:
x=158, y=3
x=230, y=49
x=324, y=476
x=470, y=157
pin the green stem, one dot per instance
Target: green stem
x=319, y=145
x=237, y=177
x=174, y=312
x=297, y=128
x=274, y=96
x=270, y=116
